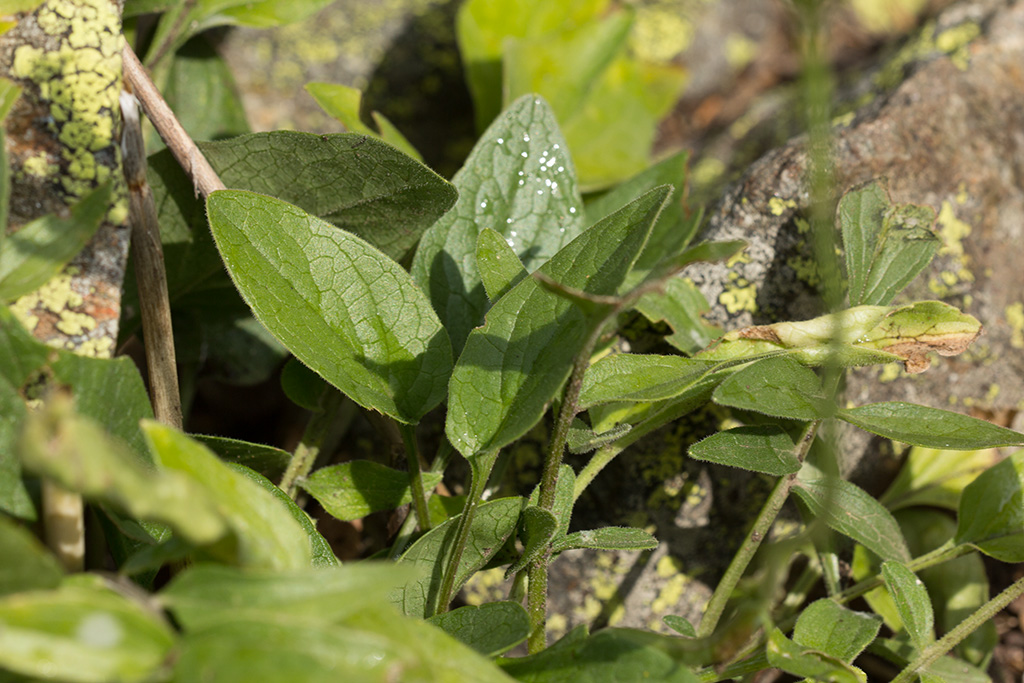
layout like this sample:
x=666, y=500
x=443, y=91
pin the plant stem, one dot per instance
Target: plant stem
x=762, y=525
x=412, y=454
x=309, y=447
x=481, y=465
x=943, y=553
x=405, y=534
x=598, y=461
x=166, y=124
x=963, y=629
x=151, y=277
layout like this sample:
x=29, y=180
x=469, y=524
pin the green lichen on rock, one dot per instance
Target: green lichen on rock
x=79, y=78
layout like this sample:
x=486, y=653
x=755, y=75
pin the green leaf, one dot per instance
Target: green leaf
x=933, y=477
x=27, y=564
x=565, y=67
x=612, y=655
x=539, y=528
x=606, y=538
x=519, y=359
x=886, y=246
x=490, y=629
x=269, y=461
x=991, y=516
x=780, y=387
x=929, y=427
x=943, y=670
x=343, y=103
x=342, y=307
x=356, y=488
x=828, y=627
x=640, y=378
x=14, y=497
x=500, y=267
x=519, y=180
x=302, y=386
x=265, y=532
x=81, y=632
x=583, y=439
x=679, y=625
x=680, y=305
x=482, y=26
x=202, y=93
x=206, y=594
x=319, y=548
x=763, y=448
x=32, y=256
x=294, y=651
x=851, y=511
x=611, y=135
x=792, y=658
x=76, y=453
x=672, y=231
x=911, y=599
x=493, y=522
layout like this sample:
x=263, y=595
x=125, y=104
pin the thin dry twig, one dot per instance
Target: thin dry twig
x=174, y=136
x=147, y=252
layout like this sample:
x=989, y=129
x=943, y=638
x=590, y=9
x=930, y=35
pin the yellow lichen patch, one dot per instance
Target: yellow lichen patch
x=668, y=566
x=739, y=257
x=81, y=81
x=806, y=269
x=39, y=166
x=670, y=594
x=738, y=299
x=954, y=42
x=1015, y=319
x=557, y=624
x=778, y=206
x=739, y=50
x=485, y=586
x=890, y=372
x=952, y=230
x=660, y=33
x=707, y=171
x=992, y=393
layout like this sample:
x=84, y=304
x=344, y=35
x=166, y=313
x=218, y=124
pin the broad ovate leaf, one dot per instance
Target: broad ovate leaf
x=490, y=629
x=518, y=360
x=519, y=181
x=827, y=626
x=356, y=488
x=991, y=516
x=340, y=305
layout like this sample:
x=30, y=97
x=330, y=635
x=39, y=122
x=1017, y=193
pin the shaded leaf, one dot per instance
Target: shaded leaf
x=680, y=305
x=490, y=629
x=792, y=658
x=202, y=92
x=780, y=387
x=612, y=655
x=911, y=599
x=27, y=564
x=851, y=511
x=606, y=538
x=945, y=669
x=679, y=625
x=763, y=448
x=828, y=627
x=886, y=246
x=269, y=461
x=206, y=594
x=930, y=427
x=266, y=534
x=30, y=257
x=519, y=359
x=356, y=488
x=343, y=103
x=640, y=377
x=583, y=439
x=539, y=528
x=81, y=633
x=320, y=550
x=14, y=497
x=342, y=307
x=493, y=522
x=519, y=180
x=500, y=268
x=991, y=515
x=936, y=477
x=302, y=386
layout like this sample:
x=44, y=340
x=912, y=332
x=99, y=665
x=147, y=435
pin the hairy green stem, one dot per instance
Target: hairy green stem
x=405, y=534
x=537, y=589
x=762, y=525
x=943, y=553
x=412, y=454
x=309, y=447
x=963, y=629
x=481, y=465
